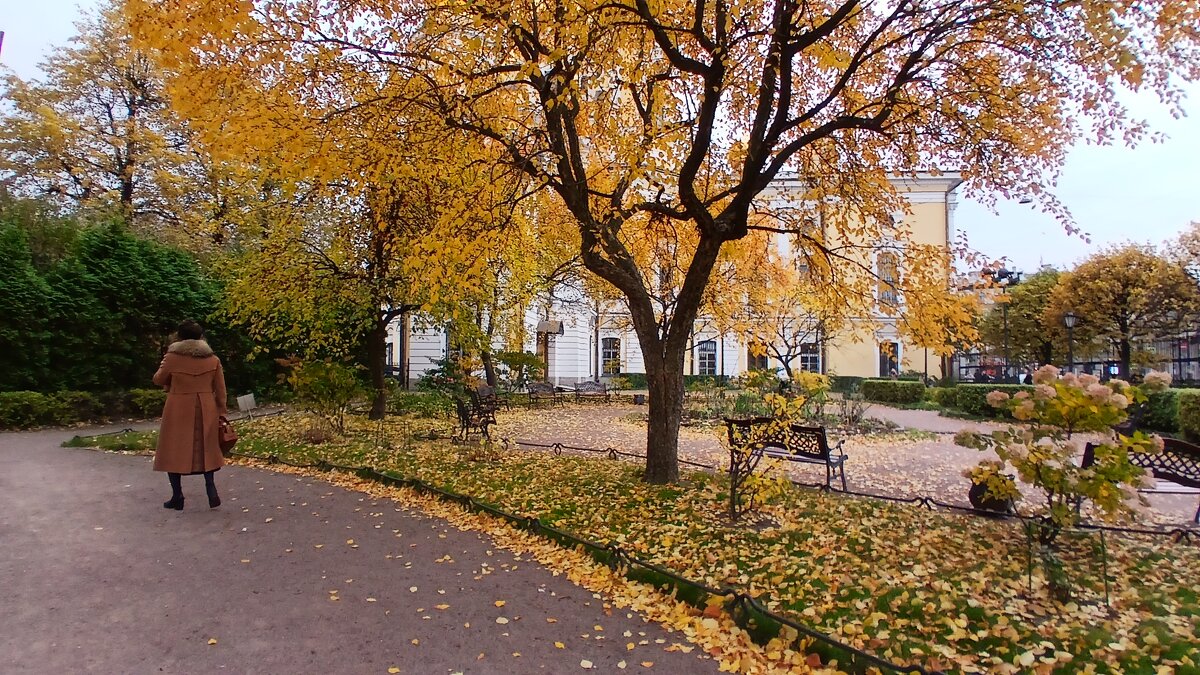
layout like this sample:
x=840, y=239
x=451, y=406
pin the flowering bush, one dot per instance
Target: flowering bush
x=1000, y=486
x=1044, y=454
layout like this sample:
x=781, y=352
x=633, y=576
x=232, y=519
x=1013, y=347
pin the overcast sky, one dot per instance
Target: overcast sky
x=1117, y=194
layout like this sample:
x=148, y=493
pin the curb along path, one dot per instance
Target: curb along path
x=290, y=574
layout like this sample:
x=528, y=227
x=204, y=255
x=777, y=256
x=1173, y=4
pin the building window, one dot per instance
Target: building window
x=610, y=356
x=810, y=357
x=391, y=354
x=889, y=359
x=886, y=268
x=756, y=361
x=706, y=358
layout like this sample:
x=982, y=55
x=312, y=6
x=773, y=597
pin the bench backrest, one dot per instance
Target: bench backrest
x=1179, y=461
x=796, y=439
x=591, y=387
x=540, y=388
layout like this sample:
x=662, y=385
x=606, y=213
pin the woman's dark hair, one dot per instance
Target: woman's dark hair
x=190, y=330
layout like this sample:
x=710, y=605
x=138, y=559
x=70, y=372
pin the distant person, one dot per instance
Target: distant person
x=1027, y=377
x=188, y=438
x=980, y=376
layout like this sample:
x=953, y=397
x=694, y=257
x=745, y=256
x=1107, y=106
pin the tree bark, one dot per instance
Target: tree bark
x=489, y=368
x=376, y=348
x=664, y=379
x=1125, y=351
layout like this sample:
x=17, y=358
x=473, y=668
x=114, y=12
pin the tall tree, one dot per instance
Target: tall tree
x=1033, y=337
x=92, y=133
x=1125, y=295
x=668, y=119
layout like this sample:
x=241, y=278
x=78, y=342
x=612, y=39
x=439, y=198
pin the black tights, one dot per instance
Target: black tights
x=177, y=486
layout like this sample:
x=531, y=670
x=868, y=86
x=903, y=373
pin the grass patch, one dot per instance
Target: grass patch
x=943, y=590
x=130, y=441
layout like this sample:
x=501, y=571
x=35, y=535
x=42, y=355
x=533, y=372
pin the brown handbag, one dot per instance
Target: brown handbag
x=227, y=435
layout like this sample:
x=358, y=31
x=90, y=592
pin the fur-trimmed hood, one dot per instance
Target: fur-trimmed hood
x=196, y=348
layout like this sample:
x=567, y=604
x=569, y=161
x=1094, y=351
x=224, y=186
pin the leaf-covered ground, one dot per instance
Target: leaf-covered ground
x=912, y=585
x=911, y=464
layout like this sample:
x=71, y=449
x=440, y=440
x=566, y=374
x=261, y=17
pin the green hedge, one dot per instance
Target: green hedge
x=1189, y=414
x=27, y=409
x=972, y=398
x=893, y=391
x=845, y=384
x=636, y=380
x=943, y=396
x=1161, y=411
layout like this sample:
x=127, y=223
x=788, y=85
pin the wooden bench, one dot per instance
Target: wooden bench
x=591, y=390
x=543, y=392
x=1179, y=463
x=792, y=442
x=472, y=416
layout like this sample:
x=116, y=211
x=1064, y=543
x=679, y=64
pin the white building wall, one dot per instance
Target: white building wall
x=426, y=348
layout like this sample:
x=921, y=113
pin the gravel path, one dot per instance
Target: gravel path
x=289, y=575
x=904, y=468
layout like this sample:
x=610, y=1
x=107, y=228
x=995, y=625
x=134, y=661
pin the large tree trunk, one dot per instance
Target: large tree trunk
x=489, y=368
x=1124, y=350
x=376, y=348
x=664, y=379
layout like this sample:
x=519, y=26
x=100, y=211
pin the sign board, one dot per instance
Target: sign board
x=246, y=402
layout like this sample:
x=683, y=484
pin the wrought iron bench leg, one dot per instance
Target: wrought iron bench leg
x=842, y=470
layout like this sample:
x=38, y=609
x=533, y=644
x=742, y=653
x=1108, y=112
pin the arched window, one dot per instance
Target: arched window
x=610, y=356
x=706, y=358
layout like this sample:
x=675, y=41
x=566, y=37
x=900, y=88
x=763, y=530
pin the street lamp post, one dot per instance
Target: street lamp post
x=1005, y=278
x=1069, y=320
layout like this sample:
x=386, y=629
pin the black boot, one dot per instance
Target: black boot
x=214, y=500
x=176, y=500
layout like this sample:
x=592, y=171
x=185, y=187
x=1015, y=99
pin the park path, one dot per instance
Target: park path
x=289, y=575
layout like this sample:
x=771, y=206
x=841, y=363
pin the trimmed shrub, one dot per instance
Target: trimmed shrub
x=1189, y=414
x=845, y=384
x=636, y=380
x=972, y=398
x=147, y=402
x=1161, y=411
x=943, y=396
x=893, y=391
x=23, y=409
x=75, y=406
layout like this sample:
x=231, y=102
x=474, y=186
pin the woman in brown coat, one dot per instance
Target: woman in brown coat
x=188, y=438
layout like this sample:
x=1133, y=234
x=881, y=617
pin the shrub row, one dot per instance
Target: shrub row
x=25, y=409
x=943, y=396
x=972, y=398
x=893, y=391
x=1188, y=401
x=845, y=384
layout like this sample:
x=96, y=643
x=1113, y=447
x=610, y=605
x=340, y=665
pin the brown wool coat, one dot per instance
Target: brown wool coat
x=195, y=384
